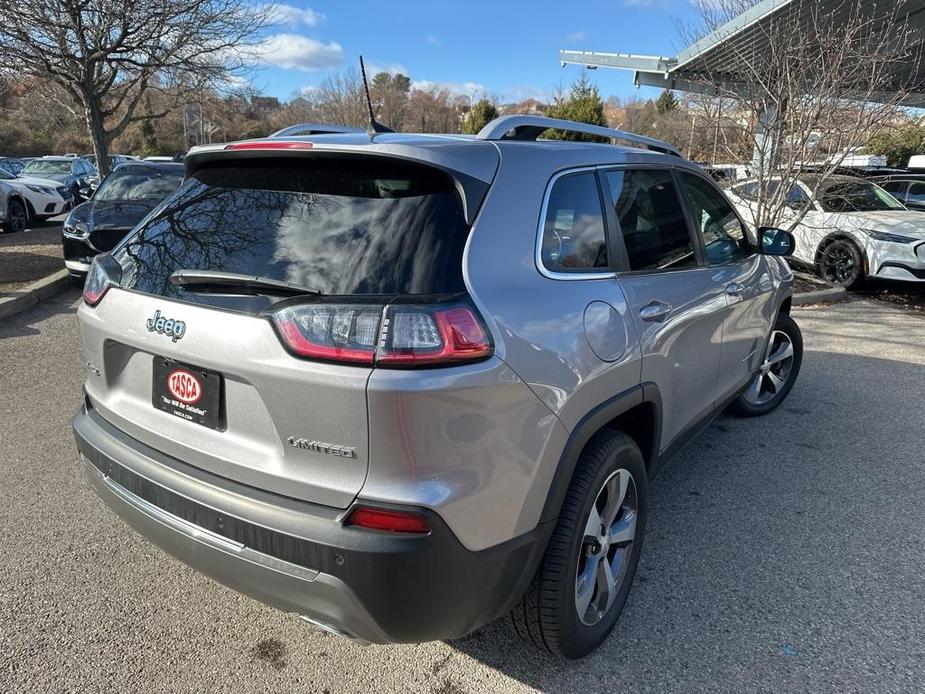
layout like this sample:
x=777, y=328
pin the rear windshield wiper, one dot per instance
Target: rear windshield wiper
x=219, y=281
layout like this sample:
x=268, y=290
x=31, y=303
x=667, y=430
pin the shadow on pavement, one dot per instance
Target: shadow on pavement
x=24, y=323
x=780, y=550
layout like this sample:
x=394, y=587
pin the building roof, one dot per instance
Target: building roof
x=729, y=48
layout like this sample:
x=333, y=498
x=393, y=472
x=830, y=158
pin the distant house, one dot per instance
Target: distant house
x=528, y=107
x=265, y=104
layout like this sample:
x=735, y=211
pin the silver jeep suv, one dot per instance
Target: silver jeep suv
x=403, y=385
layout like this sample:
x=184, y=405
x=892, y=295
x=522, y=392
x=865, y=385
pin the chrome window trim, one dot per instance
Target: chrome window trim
x=538, y=250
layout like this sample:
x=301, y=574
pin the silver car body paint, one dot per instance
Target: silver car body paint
x=479, y=444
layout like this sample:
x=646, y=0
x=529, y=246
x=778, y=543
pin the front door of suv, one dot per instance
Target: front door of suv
x=741, y=272
x=676, y=304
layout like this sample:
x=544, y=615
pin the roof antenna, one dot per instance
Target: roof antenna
x=374, y=126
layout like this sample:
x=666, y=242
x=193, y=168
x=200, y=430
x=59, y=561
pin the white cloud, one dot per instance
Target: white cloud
x=393, y=69
x=294, y=16
x=432, y=40
x=472, y=89
x=576, y=36
x=296, y=52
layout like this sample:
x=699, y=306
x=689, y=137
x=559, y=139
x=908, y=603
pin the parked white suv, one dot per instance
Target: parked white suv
x=853, y=230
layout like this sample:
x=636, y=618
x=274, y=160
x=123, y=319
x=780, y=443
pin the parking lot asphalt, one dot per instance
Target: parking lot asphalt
x=783, y=553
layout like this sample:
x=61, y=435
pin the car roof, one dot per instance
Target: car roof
x=467, y=154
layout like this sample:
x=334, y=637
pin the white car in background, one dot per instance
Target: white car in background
x=853, y=230
x=42, y=198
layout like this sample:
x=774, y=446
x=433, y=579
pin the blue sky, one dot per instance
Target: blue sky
x=507, y=49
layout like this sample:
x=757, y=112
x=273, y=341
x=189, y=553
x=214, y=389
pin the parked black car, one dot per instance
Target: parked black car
x=123, y=199
x=73, y=172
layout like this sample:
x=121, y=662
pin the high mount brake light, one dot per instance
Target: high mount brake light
x=399, y=335
x=388, y=521
x=269, y=144
x=104, y=273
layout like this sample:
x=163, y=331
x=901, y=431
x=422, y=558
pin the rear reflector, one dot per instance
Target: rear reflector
x=388, y=521
x=269, y=144
x=397, y=335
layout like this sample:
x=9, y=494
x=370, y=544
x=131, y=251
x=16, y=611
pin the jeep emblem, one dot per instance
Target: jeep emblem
x=174, y=329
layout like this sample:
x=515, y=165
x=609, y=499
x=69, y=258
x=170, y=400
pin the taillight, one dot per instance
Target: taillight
x=333, y=332
x=387, y=520
x=104, y=273
x=413, y=336
x=270, y=144
x=397, y=335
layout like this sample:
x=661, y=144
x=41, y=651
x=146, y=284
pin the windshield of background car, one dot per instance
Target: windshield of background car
x=6, y=176
x=52, y=167
x=146, y=185
x=856, y=196
x=357, y=225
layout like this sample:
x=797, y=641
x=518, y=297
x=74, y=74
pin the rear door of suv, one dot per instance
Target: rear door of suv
x=677, y=305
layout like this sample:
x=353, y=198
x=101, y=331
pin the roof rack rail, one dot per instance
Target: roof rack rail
x=531, y=127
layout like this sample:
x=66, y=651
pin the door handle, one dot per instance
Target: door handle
x=655, y=311
x=734, y=288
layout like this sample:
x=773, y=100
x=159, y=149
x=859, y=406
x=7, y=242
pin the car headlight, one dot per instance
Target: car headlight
x=889, y=238
x=40, y=189
x=76, y=230
x=62, y=191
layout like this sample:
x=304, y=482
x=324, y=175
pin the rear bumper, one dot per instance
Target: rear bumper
x=299, y=557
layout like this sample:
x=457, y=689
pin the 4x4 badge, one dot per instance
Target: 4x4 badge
x=174, y=329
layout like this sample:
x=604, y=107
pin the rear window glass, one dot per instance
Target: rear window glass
x=358, y=225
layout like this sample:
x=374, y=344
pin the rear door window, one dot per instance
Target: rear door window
x=341, y=226
x=651, y=219
x=574, y=240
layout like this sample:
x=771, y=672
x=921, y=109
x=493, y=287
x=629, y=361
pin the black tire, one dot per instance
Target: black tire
x=766, y=401
x=17, y=217
x=547, y=615
x=841, y=263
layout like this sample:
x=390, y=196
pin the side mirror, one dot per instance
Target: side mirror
x=775, y=241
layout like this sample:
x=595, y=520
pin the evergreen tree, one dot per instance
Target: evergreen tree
x=583, y=105
x=482, y=113
x=666, y=102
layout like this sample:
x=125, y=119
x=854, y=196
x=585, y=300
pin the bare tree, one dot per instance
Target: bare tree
x=810, y=86
x=106, y=55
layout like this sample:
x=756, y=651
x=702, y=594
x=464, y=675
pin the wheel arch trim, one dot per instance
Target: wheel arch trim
x=595, y=420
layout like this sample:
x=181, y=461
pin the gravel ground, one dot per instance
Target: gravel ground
x=30, y=255
x=783, y=553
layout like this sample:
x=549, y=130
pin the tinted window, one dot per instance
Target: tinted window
x=894, y=188
x=856, y=196
x=749, y=190
x=573, y=232
x=341, y=226
x=916, y=193
x=652, y=220
x=37, y=166
x=138, y=183
x=723, y=235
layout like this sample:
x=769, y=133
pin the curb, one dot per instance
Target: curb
x=29, y=296
x=827, y=296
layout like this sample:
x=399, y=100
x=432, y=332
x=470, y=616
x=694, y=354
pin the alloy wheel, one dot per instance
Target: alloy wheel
x=839, y=264
x=17, y=219
x=605, y=548
x=774, y=372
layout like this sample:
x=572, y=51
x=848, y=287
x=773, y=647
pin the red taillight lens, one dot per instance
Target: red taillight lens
x=333, y=332
x=409, y=334
x=269, y=144
x=388, y=521
x=432, y=336
x=104, y=273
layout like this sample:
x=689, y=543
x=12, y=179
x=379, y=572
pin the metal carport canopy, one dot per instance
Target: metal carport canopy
x=725, y=50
